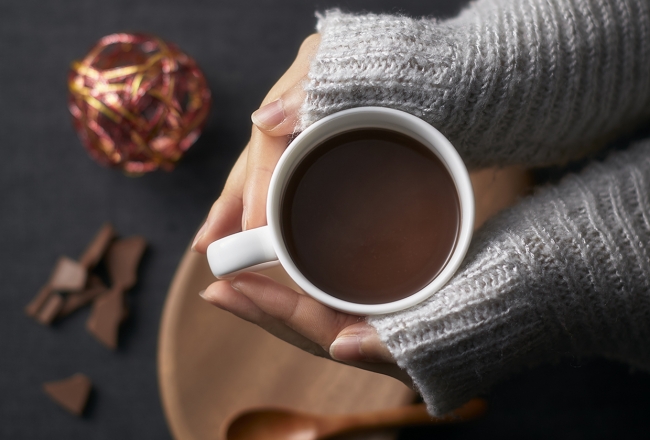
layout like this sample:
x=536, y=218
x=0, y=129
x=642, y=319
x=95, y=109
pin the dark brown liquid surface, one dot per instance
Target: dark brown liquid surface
x=370, y=216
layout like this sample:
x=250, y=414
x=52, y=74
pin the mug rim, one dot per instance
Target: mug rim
x=370, y=117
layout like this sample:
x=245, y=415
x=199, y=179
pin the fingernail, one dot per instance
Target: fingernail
x=199, y=235
x=269, y=116
x=211, y=299
x=347, y=348
x=203, y=294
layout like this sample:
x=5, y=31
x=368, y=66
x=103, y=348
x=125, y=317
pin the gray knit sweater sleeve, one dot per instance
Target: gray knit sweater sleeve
x=567, y=271
x=507, y=81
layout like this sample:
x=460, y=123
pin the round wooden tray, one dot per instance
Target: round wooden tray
x=212, y=364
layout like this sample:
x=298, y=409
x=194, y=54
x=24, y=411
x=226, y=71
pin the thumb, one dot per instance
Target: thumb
x=279, y=117
x=360, y=343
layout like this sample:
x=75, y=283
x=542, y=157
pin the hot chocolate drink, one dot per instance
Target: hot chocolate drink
x=370, y=216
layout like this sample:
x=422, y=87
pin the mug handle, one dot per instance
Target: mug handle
x=244, y=251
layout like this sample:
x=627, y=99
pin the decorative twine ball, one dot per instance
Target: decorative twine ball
x=137, y=102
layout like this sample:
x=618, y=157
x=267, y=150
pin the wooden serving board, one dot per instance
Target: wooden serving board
x=212, y=365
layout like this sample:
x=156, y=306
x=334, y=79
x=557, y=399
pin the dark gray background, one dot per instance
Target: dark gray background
x=54, y=198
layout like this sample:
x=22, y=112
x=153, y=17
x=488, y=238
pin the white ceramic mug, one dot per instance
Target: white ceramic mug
x=258, y=248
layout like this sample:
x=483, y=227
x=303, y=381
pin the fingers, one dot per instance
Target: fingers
x=263, y=154
x=276, y=119
x=225, y=216
x=280, y=117
x=242, y=204
x=222, y=295
x=303, y=314
x=301, y=321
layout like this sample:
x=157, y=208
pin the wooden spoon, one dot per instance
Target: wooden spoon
x=285, y=424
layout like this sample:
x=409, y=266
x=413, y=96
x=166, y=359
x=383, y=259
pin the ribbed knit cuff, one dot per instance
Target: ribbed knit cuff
x=532, y=82
x=567, y=271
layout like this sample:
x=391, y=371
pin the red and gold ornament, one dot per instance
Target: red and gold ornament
x=137, y=102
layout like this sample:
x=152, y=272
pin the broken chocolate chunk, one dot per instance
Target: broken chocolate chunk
x=68, y=275
x=97, y=247
x=50, y=309
x=122, y=260
x=108, y=313
x=71, y=393
x=72, y=285
x=77, y=300
x=39, y=300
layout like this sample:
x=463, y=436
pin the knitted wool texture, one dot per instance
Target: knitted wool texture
x=567, y=271
x=531, y=82
x=507, y=81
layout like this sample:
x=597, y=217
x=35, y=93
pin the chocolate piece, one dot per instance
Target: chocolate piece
x=107, y=315
x=97, y=247
x=68, y=275
x=122, y=259
x=77, y=300
x=50, y=309
x=71, y=393
x=37, y=302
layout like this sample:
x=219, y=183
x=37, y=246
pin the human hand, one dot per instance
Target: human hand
x=242, y=203
x=304, y=322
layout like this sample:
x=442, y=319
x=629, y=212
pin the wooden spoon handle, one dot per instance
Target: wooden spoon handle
x=403, y=416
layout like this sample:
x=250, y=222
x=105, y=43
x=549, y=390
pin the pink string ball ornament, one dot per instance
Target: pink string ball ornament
x=137, y=102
